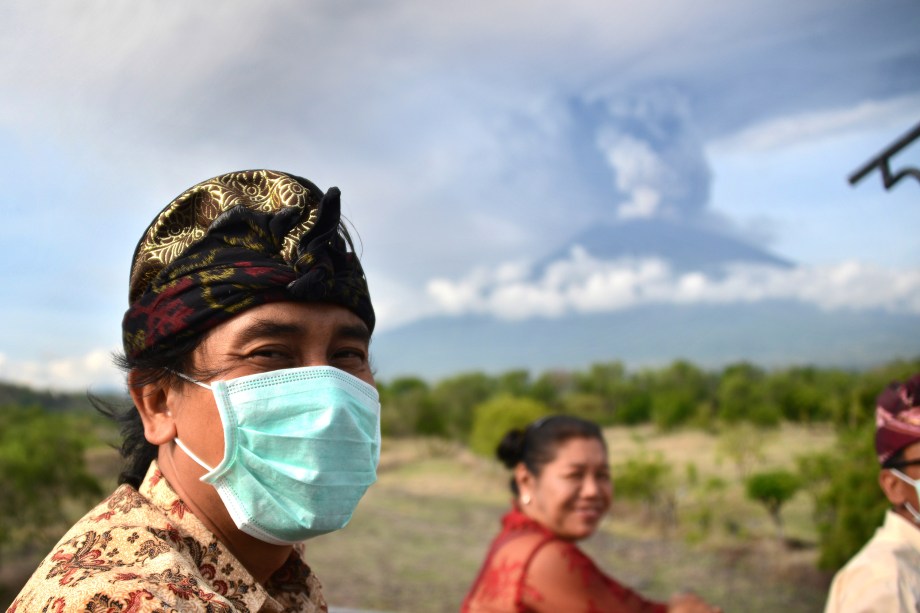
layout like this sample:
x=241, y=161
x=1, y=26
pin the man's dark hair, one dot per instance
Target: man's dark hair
x=156, y=366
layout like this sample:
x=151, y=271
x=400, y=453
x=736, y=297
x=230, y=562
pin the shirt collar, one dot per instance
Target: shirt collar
x=902, y=529
x=217, y=564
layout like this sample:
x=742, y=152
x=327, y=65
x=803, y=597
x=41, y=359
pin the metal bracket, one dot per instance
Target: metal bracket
x=881, y=161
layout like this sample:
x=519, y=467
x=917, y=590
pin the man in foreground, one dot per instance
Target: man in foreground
x=255, y=423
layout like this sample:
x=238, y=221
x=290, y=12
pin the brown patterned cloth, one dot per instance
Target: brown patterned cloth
x=237, y=241
x=897, y=418
x=145, y=551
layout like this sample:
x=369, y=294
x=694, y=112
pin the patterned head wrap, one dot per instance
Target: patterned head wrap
x=897, y=418
x=235, y=242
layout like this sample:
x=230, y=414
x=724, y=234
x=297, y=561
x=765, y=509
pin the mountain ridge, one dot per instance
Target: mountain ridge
x=686, y=247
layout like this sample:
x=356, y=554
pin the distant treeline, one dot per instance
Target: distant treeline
x=43, y=435
x=12, y=395
x=680, y=394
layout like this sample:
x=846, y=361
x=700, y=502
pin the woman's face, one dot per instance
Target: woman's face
x=573, y=492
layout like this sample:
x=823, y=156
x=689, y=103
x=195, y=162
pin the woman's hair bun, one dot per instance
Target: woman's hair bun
x=511, y=448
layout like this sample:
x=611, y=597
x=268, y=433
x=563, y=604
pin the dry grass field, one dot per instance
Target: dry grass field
x=417, y=539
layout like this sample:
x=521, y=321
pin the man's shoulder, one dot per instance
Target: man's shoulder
x=884, y=572
x=124, y=554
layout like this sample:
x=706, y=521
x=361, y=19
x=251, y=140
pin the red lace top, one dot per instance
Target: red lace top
x=530, y=569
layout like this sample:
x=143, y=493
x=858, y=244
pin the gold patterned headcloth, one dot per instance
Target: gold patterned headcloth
x=234, y=242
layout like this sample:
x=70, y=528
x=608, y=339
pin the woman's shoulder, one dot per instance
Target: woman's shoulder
x=561, y=577
x=521, y=534
x=554, y=557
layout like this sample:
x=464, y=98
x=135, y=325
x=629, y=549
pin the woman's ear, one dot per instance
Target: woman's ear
x=151, y=400
x=525, y=482
x=895, y=490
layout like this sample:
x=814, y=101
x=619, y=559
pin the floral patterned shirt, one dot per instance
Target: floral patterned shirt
x=144, y=550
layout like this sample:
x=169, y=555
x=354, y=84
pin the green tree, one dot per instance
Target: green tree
x=798, y=393
x=626, y=398
x=407, y=408
x=497, y=416
x=677, y=392
x=647, y=478
x=849, y=504
x=587, y=406
x=773, y=489
x=742, y=395
x=455, y=398
x=514, y=382
x=41, y=466
x=550, y=386
x=633, y=407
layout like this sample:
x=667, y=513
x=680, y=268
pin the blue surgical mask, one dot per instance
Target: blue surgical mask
x=301, y=446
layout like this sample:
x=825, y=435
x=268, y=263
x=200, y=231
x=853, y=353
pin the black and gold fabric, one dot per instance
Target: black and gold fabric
x=237, y=241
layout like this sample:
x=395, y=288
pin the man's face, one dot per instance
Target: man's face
x=912, y=454
x=262, y=339
x=265, y=338
x=897, y=490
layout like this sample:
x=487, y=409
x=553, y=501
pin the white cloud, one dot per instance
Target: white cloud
x=582, y=284
x=93, y=370
x=811, y=127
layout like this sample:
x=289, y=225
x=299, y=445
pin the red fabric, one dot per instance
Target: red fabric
x=529, y=569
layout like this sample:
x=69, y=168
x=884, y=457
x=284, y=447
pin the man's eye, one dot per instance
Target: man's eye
x=269, y=353
x=349, y=354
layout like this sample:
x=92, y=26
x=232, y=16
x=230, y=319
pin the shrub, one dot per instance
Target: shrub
x=41, y=465
x=647, y=479
x=493, y=418
x=773, y=489
x=849, y=504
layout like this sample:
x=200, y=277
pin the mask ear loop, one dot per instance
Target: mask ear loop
x=189, y=379
x=178, y=441
x=910, y=508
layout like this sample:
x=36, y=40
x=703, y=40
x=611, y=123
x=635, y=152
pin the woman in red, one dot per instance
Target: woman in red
x=561, y=483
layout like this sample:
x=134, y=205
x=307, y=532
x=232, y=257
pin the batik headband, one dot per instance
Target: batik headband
x=897, y=418
x=235, y=242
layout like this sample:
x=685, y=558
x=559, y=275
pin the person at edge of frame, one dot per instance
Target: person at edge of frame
x=885, y=574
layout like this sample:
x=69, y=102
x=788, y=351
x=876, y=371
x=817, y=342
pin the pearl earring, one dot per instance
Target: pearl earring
x=525, y=499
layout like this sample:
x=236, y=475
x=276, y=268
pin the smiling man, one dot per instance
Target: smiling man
x=255, y=423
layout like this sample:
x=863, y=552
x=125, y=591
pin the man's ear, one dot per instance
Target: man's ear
x=151, y=400
x=895, y=490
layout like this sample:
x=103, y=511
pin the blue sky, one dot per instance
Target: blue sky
x=465, y=138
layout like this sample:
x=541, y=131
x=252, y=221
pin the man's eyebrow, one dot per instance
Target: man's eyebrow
x=358, y=332
x=265, y=328
x=268, y=329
